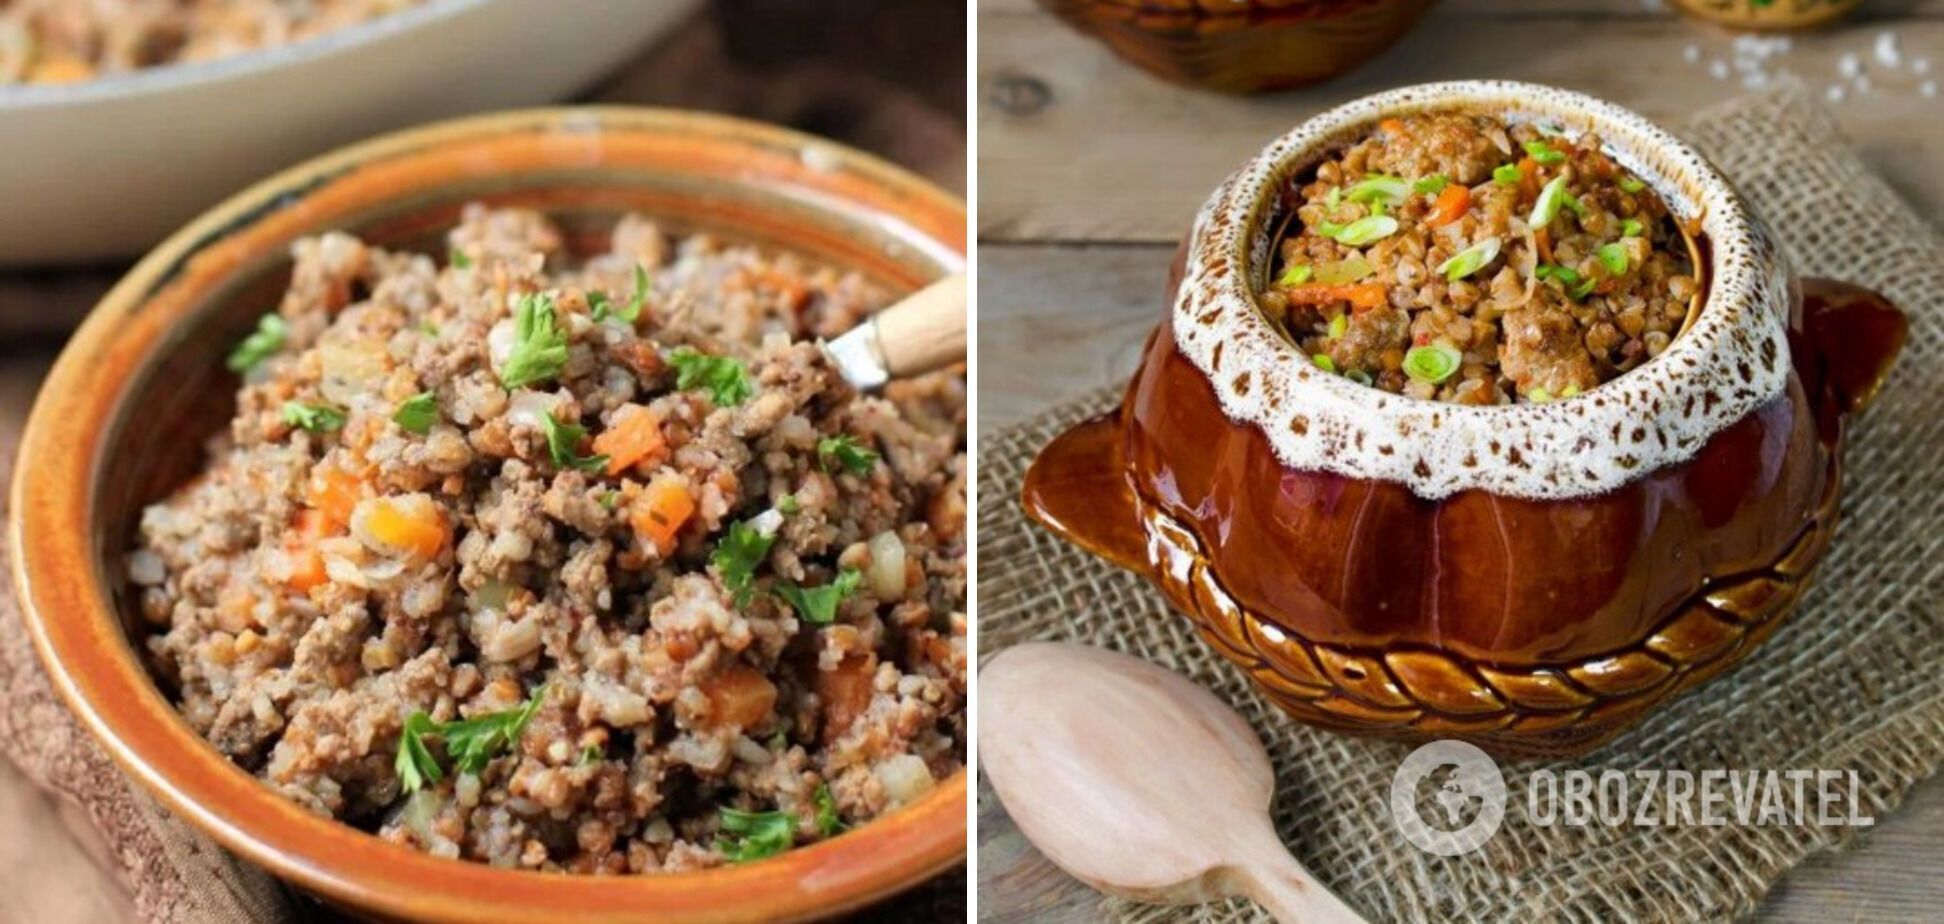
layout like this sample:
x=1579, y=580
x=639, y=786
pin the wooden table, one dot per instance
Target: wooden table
x=838, y=73
x=1089, y=171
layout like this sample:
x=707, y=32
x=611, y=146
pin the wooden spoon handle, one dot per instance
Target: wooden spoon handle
x=1289, y=893
x=925, y=331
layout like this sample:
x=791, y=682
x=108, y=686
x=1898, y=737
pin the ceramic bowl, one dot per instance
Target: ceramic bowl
x=106, y=168
x=123, y=415
x=1251, y=46
x=1533, y=578
x=1769, y=15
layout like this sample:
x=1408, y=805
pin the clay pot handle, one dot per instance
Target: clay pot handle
x=1856, y=334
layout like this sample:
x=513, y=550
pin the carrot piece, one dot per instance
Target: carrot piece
x=1361, y=296
x=740, y=697
x=846, y=693
x=1450, y=206
x=334, y=493
x=635, y=437
x=1392, y=126
x=300, y=549
x=1544, y=240
x=661, y=510
x=1529, y=177
x=410, y=523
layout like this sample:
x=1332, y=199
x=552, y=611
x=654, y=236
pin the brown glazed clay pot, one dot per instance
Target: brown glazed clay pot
x=1532, y=578
x=1243, y=46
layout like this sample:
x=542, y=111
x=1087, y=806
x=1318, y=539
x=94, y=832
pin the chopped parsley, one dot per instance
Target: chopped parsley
x=415, y=764
x=539, y=344
x=563, y=443
x=750, y=836
x=819, y=604
x=470, y=743
x=418, y=413
x=845, y=450
x=458, y=259
x=828, y=822
x=610, y=498
x=725, y=379
x=604, y=307
x=742, y=548
x=789, y=504
x=266, y=340
x=316, y=418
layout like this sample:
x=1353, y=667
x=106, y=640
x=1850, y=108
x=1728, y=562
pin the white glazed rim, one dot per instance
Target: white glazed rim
x=1731, y=362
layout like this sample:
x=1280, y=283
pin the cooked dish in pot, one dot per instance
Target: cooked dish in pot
x=66, y=41
x=1461, y=258
x=592, y=566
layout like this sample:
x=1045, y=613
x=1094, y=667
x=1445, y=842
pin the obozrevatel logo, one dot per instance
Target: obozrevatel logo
x=1448, y=798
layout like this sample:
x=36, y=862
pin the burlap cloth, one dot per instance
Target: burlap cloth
x=1851, y=682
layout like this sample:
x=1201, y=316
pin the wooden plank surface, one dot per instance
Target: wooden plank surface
x=1089, y=172
x=837, y=73
x=1075, y=146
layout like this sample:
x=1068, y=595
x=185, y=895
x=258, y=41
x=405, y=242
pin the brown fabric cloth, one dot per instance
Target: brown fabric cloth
x=1850, y=681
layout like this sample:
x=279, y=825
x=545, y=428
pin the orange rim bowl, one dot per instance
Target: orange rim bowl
x=121, y=418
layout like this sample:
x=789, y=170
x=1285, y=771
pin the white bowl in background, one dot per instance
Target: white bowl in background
x=106, y=168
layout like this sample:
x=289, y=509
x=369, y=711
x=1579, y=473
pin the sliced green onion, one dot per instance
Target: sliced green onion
x=1569, y=391
x=1614, y=256
x=1362, y=231
x=1342, y=272
x=1294, y=276
x=1543, y=153
x=1431, y=185
x=1631, y=185
x=1574, y=205
x=1377, y=187
x=1538, y=396
x=1582, y=290
x=1433, y=363
x=1631, y=228
x=1323, y=362
x=1377, y=208
x=1506, y=175
x=1358, y=376
x=1565, y=274
x=1470, y=260
x=1339, y=326
x=1550, y=199
x=1333, y=199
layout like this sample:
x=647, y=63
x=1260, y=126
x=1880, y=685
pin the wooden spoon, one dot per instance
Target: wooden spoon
x=925, y=331
x=1138, y=782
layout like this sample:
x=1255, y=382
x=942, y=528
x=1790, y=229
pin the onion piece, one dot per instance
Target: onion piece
x=887, y=569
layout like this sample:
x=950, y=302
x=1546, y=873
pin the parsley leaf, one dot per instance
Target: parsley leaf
x=845, y=449
x=415, y=764
x=458, y=259
x=472, y=743
x=789, y=504
x=563, y=443
x=725, y=379
x=539, y=344
x=418, y=413
x=603, y=308
x=736, y=556
x=819, y=604
x=266, y=340
x=750, y=836
x=313, y=417
x=828, y=823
